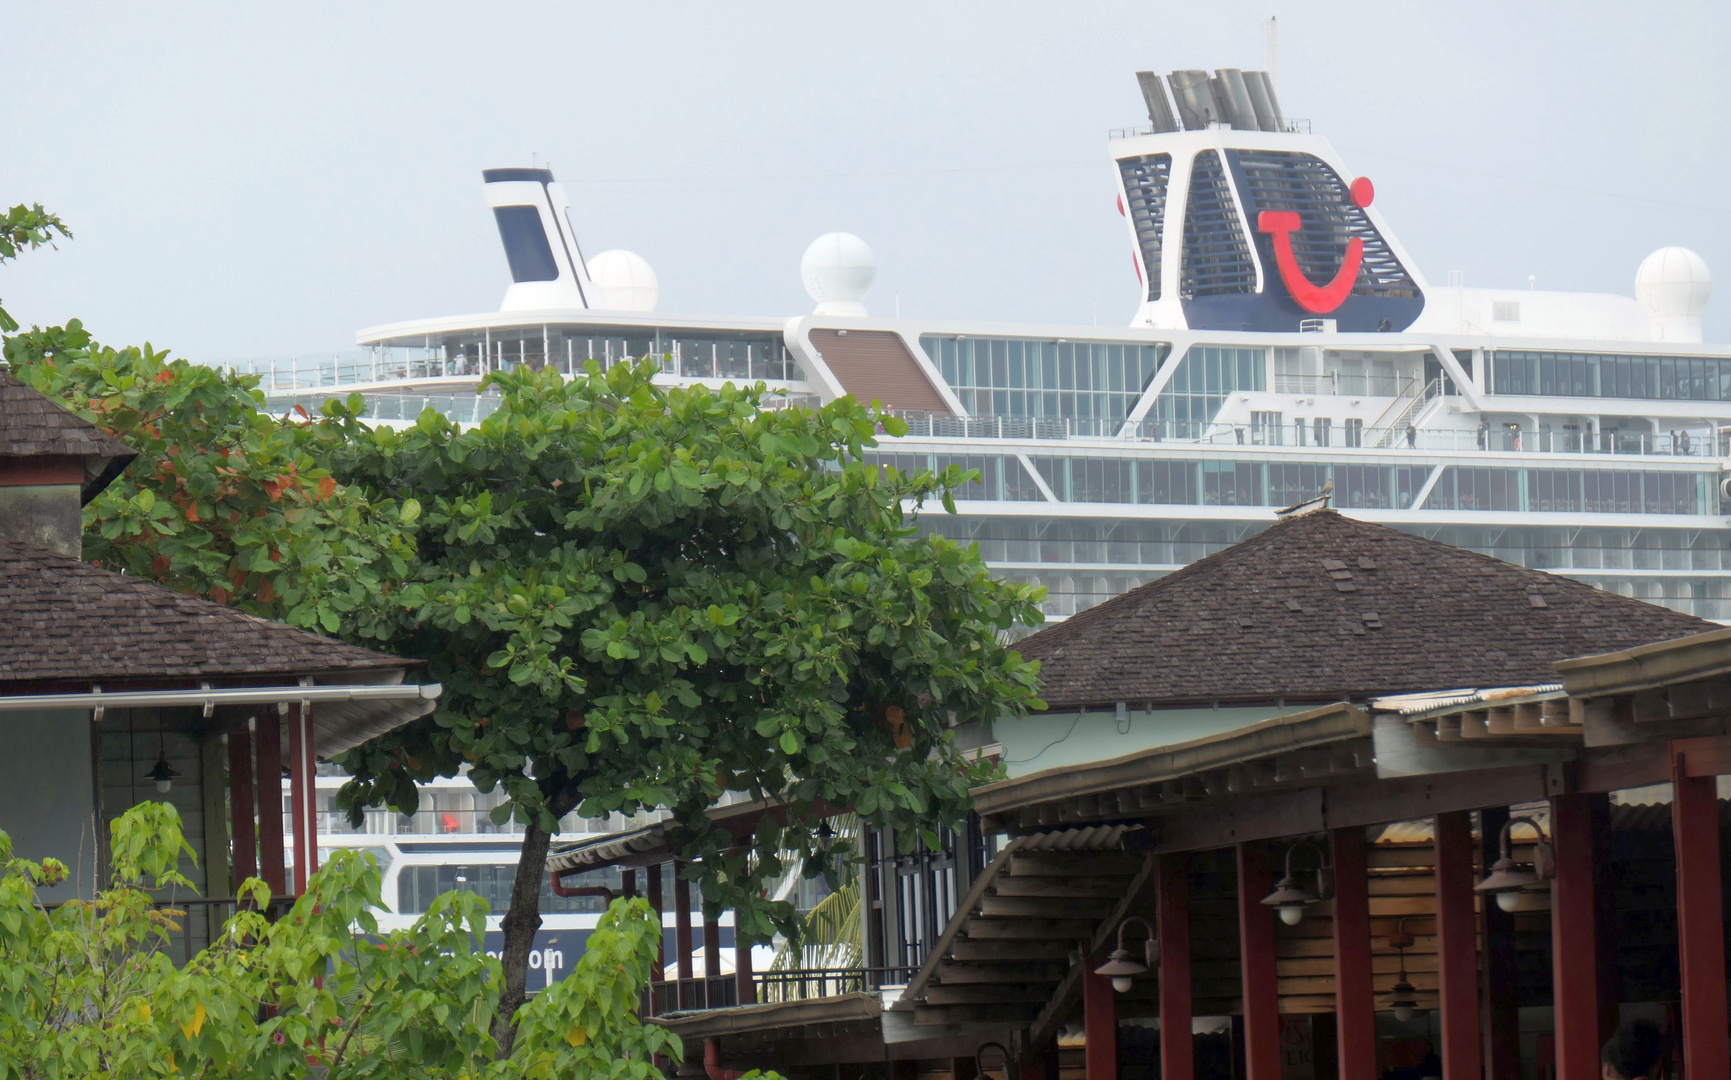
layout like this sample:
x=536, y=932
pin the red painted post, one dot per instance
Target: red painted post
x=1457, y=947
x=1177, y=1046
x=241, y=803
x=1099, y=1024
x=270, y=801
x=1354, y=989
x=1576, y=984
x=1256, y=961
x=1499, y=994
x=682, y=935
x=1700, y=929
x=711, y=948
x=743, y=980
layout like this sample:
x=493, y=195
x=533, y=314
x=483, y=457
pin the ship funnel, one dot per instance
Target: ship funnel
x=1229, y=87
x=1159, y=109
x=534, y=219
x=1195, y=100
x=1261, y=89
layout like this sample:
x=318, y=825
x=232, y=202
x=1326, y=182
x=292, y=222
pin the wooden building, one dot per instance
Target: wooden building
x=1315, y=880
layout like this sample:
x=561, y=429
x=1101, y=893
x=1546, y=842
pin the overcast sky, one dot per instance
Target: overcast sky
x=264, y=180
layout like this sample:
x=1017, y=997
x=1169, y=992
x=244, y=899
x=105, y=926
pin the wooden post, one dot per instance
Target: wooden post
x=654, y=874
x=1500, y=995
x=1579, y=985
x=241, y=803
x=1256, y=961
x=1099, y=1024
x=1354, y=989
x=742, y=974
x=270, y=854
x=682, y=934
x=628, y=883
x=1457, y=947
x=711, y=949
x=1177, y=1045
x=303, y=794
x=1700, y=929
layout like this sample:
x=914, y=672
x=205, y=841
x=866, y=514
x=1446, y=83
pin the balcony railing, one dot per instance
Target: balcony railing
x=796, y=984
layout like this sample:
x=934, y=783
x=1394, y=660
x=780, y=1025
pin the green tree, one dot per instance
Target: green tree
x=224, y=501
x=24, y=228
x=642, y=597
x=88, y=988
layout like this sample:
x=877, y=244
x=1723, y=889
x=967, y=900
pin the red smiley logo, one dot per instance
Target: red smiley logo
x=1316, y=299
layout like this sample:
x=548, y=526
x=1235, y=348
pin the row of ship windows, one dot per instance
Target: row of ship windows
x=1655, y=378
x=1256, y=483
x=1177, y=543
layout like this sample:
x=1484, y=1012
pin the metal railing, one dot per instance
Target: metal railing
x=1291, y=125
x=793, y=984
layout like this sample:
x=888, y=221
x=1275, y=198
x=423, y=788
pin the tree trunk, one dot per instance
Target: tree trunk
x=521, y=921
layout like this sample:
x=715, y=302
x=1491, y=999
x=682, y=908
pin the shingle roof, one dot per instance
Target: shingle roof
x=1325, y=607
x=32, y=425
x=61, y=619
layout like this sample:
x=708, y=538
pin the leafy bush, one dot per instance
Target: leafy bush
x=87, y=988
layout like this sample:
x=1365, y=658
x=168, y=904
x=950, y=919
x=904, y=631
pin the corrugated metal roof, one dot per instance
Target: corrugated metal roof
x=1418, y=706
x=608, y=849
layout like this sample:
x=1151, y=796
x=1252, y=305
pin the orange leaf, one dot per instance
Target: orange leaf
x=327, y=487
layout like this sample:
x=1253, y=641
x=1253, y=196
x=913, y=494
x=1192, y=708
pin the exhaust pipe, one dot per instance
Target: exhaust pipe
x=534, y=219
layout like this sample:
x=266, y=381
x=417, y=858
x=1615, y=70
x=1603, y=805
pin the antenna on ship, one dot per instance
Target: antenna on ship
x=1271, y=50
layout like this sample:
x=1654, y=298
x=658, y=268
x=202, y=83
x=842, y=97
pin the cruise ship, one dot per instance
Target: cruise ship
x=1284, y=344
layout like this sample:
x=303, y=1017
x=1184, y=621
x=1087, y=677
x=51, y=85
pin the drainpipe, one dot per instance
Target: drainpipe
x=712, y=1062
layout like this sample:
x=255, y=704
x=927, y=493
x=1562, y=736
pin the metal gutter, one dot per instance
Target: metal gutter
x=1662, y=663
x=1313, y=727
x=249, y=695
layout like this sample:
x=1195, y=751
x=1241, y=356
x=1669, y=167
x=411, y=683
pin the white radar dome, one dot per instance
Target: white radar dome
x=626, y=281
x=838, y=269
x=1673, y=284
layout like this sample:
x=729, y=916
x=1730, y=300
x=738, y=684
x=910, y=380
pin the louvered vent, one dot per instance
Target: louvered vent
x=1216, y=256
x=1283, y=180
x=1145, y=179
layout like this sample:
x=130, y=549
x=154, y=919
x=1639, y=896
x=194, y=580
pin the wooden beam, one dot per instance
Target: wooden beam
x=1076, y=888
x=1091, y=864
x=953, y=973
x=241, y=803
x=269, y=750
x=1008, y=951
x=1457, y=933
x=1037, y=907
x=1099, y=1024
x=1177, y=1045
x=1030, y=930
x=1579, y=985
x=980, y=994
x=1261, y=989
x=972, y=1014
x=1355, y=1001
x=1700, y=919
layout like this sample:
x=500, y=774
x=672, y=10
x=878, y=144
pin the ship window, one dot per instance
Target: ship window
x=1592, y=491
x=1505, y=311
x=526, y=247
x=1205, y=378
x=999, y=479
x=1090, y=386
x=1682, y=378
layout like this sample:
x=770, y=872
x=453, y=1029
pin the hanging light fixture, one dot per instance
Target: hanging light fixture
x=161, y=774
x=1402, y=996
x=1288, y=897
x=1508, y=879
x=1120, y=966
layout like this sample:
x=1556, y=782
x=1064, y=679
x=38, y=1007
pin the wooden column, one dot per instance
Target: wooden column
x=682, y=933
x=1457, y=947
x=1700, y=926
x=1581, y=988
x=1256, y=962
x=1354, y=989
x=1499, y=997
x=742, y=974
x=655, y=874
x=269, y=752
x=711, y=948
x=628, y=883
x=1177, y=1045
x=242, y=803
x=303, y=794
x=1099, y=1023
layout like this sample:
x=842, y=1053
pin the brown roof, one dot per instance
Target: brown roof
x=876, y=365
x=65, y=620
x=32, y=425
x=1325, y=607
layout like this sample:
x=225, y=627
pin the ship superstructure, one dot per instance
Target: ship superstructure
x=1283, y=341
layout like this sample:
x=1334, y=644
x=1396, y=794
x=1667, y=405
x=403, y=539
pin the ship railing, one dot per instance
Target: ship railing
x=288, y=374
x=1291, y=125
